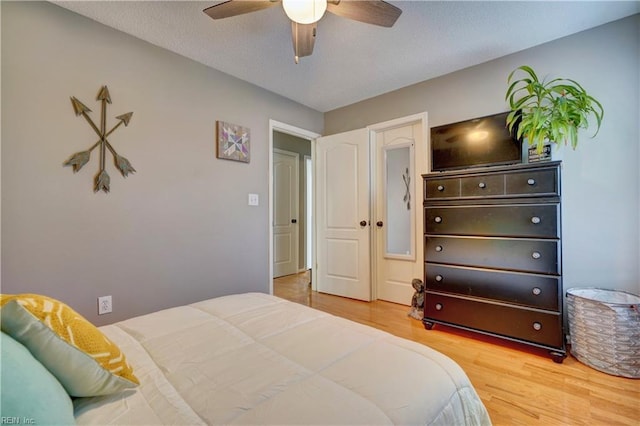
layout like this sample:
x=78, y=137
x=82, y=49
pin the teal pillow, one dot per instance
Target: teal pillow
x=30, y=393
x=81, y=357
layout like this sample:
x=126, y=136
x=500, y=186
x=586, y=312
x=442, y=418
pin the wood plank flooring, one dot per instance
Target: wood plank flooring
x=518, y=385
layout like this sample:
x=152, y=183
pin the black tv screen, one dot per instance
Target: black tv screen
x=484, y=141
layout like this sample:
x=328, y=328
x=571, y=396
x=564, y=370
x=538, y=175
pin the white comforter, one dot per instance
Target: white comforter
x=257, y=359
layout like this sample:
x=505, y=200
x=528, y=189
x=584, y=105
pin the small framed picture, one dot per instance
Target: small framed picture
x=232, y=142
x=545, y=155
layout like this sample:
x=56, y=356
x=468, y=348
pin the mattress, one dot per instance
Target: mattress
x=258, y=359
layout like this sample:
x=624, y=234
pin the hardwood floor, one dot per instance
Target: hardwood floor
x=517, y=384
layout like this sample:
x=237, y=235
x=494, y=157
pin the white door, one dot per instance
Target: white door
x=342, y=220
x=285, y=212
x=400, y=157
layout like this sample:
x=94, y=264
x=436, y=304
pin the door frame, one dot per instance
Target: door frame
x=308, y=212
x=301, y=133
x=374, y=129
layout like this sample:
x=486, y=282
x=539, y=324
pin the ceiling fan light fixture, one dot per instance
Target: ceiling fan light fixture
x=304, y=11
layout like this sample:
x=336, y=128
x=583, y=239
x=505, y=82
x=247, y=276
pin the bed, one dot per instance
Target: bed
x=257, y=359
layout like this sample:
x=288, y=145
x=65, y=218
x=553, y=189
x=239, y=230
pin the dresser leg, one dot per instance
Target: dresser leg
x=557, y=357
x=428, y=324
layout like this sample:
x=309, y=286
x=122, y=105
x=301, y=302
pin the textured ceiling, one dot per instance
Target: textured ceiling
x=352, y=61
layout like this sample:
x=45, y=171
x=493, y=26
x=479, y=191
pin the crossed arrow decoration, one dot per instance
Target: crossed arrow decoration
x=407, y=181
x=79, y=159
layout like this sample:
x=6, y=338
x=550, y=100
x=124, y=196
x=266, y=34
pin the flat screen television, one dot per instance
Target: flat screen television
x=483, y=141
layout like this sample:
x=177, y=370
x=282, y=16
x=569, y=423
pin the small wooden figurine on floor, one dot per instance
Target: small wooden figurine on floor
x=417, y=301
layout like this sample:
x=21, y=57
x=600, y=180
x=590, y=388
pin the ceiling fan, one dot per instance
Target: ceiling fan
x=305, y=14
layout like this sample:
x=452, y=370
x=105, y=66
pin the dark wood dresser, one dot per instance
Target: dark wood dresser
x=492, y=253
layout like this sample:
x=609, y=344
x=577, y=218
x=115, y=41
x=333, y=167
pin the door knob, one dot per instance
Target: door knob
x=363, y=223
x=294, y=220
x=379, y=224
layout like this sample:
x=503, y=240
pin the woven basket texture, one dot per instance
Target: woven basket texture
x=604, y=326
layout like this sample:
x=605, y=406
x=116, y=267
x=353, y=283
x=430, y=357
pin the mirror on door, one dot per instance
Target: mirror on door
x=399, y=200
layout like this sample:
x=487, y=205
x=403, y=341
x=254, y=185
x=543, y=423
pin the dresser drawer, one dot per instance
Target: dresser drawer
x=482, y=186
x=442, y=188
x=544, y=328
x=528, y=220
x=525, y=255
x=533, y=182
x=537, y=291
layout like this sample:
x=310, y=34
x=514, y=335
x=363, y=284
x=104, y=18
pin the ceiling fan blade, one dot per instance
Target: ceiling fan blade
x=376, y=12
x=230, y=8
x=304, y=36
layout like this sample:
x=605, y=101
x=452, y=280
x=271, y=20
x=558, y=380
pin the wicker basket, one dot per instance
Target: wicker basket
x=605, y=330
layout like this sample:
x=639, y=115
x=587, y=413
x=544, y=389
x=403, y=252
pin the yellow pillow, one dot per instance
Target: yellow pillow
x=83, y=359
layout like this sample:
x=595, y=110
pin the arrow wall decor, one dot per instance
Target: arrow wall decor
x=79, y=159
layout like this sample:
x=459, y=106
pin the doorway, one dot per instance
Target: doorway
x=291, y=138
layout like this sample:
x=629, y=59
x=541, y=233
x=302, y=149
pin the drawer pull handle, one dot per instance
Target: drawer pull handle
x=440, y=188
x=439, y=278
x=439, y=306
x=536, y=291
x=437, y=219
x=536, y=255
x=438, y=248
x=531, y=181
x=535, y=220
x=537, y=326
x=482, y=185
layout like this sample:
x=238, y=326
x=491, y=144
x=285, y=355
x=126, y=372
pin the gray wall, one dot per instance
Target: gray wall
x=177, y=231
x=601, y=180
x=301, y=146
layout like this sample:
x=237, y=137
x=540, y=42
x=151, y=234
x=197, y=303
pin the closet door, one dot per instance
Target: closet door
x=397, y=206
x=343, y=217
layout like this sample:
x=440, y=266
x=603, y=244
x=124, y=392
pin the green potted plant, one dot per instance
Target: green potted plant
x=549, y=111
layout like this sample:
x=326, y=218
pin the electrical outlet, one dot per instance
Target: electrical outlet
x=254, y=200
x=105, y=305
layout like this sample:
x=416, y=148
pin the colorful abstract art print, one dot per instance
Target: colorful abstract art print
x=232, y=142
